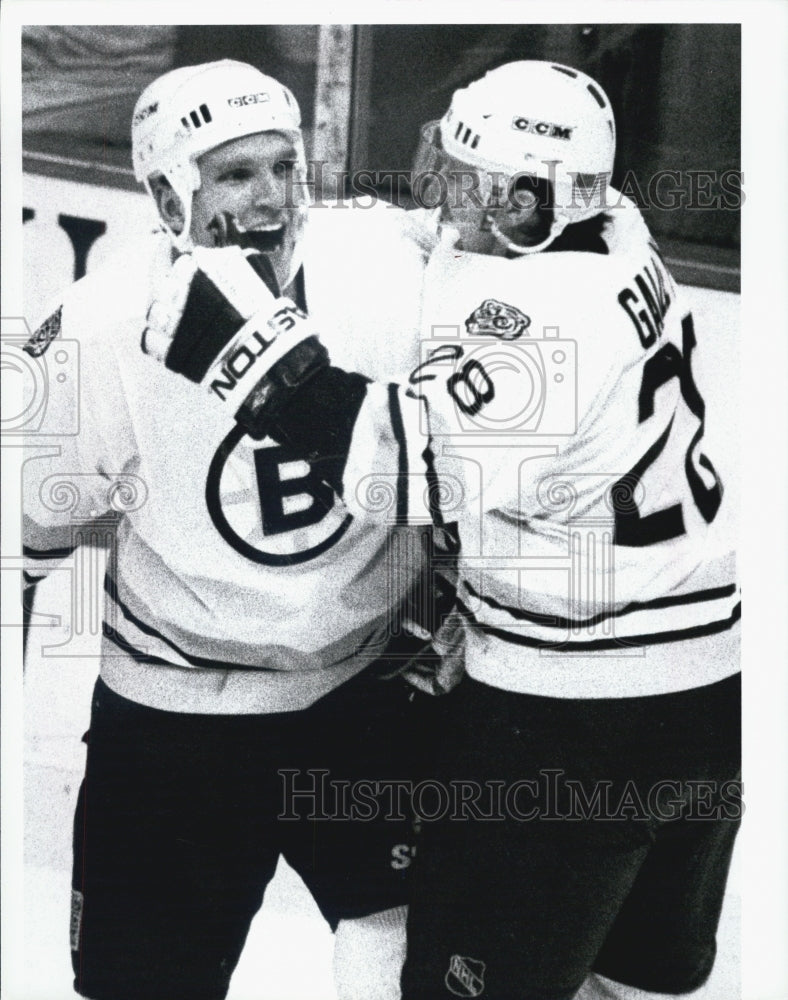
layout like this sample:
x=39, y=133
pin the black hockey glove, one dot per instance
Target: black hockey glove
x=219, y=319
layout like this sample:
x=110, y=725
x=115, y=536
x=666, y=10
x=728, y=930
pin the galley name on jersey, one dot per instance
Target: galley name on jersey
x=648, y=301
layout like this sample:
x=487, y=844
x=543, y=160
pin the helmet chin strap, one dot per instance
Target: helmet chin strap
x=182, y=241
x=517, y=248
x=507, y=245
x=297, y=256
x=185, y=187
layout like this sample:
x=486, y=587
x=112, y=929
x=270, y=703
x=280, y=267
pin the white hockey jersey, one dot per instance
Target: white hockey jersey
x=238, y=582
x=559, y=423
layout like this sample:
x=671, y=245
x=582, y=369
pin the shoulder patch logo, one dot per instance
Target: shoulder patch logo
x=497, y=319
x=44, y=335
x=465, y=977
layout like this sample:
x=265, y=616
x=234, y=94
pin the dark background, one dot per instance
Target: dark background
x=675, y=91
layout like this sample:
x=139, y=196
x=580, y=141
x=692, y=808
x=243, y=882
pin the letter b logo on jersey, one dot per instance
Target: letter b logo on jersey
x=270, y=505
x=291, y=493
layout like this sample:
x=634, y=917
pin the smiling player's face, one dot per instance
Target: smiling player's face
x=257, y=180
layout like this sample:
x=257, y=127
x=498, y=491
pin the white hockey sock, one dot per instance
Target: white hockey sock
x=600, y=988
x=368, y=955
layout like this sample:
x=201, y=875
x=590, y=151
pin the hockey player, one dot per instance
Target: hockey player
x=249, y=618
x=556, y=417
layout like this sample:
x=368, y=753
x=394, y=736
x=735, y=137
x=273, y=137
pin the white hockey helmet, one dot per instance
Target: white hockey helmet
x=191, y=110
x=535, y=119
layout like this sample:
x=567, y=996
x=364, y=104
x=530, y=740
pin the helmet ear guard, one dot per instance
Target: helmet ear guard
x=529, y=119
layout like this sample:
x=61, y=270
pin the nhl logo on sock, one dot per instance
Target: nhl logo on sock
x=465, y=977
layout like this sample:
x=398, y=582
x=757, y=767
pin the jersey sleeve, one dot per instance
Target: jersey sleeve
x=62, y=486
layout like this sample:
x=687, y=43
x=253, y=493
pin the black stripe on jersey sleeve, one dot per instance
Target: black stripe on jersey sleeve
x=570, y=645
x=433, y=484
x=555, y=621
x=398, y=429
x=43, y=554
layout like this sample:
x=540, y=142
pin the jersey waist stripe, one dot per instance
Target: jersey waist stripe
x=625, y=671
x=158, y=684
x=366, y=646
x=114, y=636
x=556, y=621
x=111, y=589
x=619, y=641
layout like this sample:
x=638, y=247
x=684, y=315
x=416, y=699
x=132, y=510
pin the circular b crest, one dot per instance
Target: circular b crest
x=270, y=505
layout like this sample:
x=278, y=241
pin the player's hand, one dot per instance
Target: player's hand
x=228, y=232
x=440, y=664
x=219, y=320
